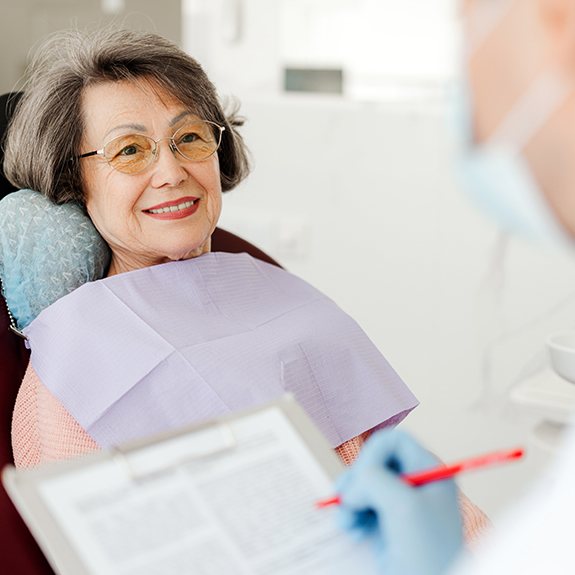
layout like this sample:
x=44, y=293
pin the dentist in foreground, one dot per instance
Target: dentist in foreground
x=518, y=161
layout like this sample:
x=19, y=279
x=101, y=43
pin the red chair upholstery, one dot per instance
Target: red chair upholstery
x=224, y=241
x=19, y=553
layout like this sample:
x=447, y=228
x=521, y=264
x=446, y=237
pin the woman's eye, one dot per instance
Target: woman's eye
x=189, y=137
x=128, y=150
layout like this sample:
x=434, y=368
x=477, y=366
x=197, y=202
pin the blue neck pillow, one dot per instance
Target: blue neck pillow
x=46, y=251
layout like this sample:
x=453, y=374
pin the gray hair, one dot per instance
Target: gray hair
x=45, y=133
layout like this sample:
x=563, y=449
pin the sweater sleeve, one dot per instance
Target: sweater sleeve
x=42, y=429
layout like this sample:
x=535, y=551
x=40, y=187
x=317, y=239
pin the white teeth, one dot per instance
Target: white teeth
x=177, y=208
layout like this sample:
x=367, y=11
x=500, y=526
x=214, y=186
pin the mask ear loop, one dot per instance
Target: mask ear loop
x=545, y=95
x=488, y=16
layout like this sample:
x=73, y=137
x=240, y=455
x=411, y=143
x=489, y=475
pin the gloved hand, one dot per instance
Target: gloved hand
x=415, y=530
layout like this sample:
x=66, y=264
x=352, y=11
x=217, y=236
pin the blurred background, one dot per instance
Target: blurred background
x=348, y=118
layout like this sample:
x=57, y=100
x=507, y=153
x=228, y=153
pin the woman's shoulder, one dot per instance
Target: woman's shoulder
x=42, y=428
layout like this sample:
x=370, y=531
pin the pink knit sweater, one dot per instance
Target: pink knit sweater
x=43, y=430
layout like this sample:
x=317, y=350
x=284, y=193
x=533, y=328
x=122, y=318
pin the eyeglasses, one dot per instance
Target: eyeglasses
x=133, y=153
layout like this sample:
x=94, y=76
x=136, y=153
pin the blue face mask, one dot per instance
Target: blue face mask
x=496, y=174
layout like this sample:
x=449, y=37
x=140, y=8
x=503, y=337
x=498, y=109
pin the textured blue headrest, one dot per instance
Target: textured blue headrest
x=46, y=251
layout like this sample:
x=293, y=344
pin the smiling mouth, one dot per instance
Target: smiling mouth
x=175, y=208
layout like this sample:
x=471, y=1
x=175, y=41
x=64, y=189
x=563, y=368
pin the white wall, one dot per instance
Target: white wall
x=245, y=44
x=360, y=199
x=358, y=196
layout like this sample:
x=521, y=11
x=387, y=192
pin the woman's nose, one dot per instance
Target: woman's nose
x=168, y=168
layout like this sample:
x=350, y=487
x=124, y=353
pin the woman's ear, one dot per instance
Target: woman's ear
x=558, y=22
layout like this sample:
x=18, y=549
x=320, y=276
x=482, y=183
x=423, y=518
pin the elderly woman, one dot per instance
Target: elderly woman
x=129, y=127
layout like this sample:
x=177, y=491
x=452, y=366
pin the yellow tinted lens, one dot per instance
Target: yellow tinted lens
x=130, y=153
x=196, y=141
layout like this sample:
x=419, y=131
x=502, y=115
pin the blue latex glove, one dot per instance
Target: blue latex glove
x=415, y=530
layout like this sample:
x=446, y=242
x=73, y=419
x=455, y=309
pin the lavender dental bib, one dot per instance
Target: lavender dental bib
x=165, y=346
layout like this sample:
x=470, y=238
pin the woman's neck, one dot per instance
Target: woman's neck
x=126, y=262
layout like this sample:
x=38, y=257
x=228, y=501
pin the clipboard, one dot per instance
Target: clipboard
x=232, y=496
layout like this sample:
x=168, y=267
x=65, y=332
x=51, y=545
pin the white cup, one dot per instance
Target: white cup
x=561, y=347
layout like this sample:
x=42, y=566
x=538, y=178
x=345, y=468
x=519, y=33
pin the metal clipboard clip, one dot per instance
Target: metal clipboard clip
x=18, y=332
x=12, y=321
x=166, y=454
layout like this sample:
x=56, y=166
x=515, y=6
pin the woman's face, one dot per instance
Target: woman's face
x=511, y=46
x=505, y=56
x=128, y=209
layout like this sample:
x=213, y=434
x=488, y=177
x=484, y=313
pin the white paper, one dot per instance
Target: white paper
x=236, y=499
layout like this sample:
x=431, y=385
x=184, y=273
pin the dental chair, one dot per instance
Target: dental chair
x=19, y=553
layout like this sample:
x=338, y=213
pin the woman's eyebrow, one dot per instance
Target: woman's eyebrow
x=175, y=120
x=142, y=128
x=135, y=127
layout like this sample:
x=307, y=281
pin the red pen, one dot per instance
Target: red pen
x=445, y=471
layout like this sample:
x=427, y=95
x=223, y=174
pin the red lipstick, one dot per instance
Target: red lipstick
x=174, y=210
